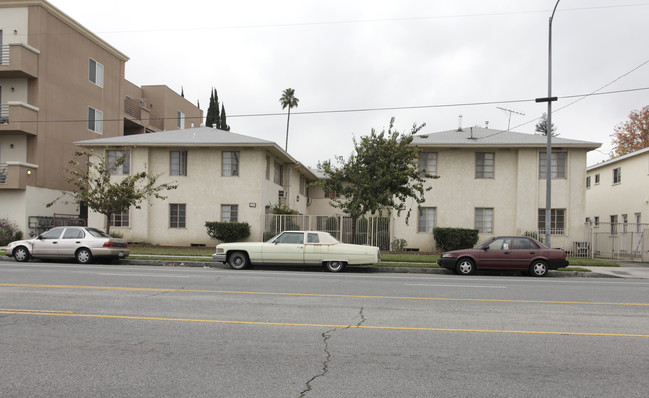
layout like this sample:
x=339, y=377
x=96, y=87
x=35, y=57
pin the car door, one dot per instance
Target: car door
x=497, y=254
x=287, y=248
x=524, y=250
x=47, y=244
x=70, y=241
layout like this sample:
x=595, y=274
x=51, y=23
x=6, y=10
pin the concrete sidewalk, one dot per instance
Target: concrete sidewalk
x=638, y=272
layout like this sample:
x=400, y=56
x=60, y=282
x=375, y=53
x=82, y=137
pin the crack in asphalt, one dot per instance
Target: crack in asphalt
x=325, y=364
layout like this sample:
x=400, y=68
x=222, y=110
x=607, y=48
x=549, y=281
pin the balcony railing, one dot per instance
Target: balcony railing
x=3, y=173
x=18, y=117
x=18, y=60
x=140, y=114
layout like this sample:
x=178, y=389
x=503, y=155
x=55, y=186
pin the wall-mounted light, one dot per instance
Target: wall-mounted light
x=29, y=172
x=297, y=198
x=11, y=146
x=12, y=89
x=15, y=32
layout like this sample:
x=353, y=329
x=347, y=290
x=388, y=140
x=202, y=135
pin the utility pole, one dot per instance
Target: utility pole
x=548, y=157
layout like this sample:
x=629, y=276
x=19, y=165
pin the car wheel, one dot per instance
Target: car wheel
x=238, y=260
x=21, y=254
x=84, y=256
x=539, y=268
x=335, y=266
x=465, y=266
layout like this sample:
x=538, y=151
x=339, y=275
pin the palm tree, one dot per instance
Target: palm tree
x=288, y=99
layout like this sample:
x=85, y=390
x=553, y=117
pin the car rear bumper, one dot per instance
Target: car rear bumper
x=554, y=264
x=116, y=252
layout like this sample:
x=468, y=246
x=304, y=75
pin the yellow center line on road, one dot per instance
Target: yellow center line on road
x=142, y=289
x=365, y=327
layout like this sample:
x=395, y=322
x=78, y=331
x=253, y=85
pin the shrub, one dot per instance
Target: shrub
x=455, y=238
x=227, y=231
x=398, y=244
x=116, y=234
x=9, y=232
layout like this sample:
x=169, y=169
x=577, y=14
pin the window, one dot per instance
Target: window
x=558, y=164
x=596, y=221
x=638, y=221
x=96, y=72
x=596, y=178
x=278, y=176
x=428, y=163
x=302, y=185
x=229, y=213
x=95, y=120
x=484, y=220
x=290, y=238
x=120, y=219
x=426, y=221
x=557, y=221
x=588, y=182
x=177, y=215
x=180, y=120
x=119, y=162
x=614, y=225
x=268, y=167
x=484, y=164
x=178, y=163
x=230, y=164
x=617, y=175
x=73, y=233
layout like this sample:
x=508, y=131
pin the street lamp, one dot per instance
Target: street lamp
x=548, y=132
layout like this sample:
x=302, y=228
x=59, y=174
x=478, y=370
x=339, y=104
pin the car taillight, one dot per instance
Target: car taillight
x=109, y=244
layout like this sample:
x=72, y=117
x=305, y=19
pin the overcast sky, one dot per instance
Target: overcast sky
x=435, y=58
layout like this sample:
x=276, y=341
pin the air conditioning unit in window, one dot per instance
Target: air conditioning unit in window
x=282, y=194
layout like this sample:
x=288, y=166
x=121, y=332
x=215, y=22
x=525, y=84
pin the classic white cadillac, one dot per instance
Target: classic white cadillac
x=299, y=248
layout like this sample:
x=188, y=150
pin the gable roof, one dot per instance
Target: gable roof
x=195, y=137
x=483, y=137
x=618, y=159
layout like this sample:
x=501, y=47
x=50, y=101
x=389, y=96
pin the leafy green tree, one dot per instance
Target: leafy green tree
x=91, y=175
x=289, y=100
x=633, y=134
x=379, y=176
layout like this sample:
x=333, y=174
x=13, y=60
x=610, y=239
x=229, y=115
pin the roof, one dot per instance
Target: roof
x=484, y=137
x=197, y=136
x=194, y=137
x=618, y=159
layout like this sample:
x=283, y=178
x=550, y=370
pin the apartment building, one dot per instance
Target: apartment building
x=495, y=181
x=60, y=83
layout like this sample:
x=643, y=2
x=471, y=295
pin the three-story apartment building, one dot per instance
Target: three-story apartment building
x=60, y=83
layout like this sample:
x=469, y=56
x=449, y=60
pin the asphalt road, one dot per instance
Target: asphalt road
x=135, y=331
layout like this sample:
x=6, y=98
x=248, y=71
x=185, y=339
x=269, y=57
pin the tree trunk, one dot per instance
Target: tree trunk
x=287, y=123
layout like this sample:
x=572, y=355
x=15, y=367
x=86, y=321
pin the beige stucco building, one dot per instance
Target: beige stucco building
x=616, y=190
x=60, y=83
x=221, y=176
x=494, y=181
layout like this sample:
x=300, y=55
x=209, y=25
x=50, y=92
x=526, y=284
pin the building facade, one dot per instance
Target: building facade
x=221, y=176
x=60, y=83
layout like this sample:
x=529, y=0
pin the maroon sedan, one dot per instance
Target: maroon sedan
x=506, y=253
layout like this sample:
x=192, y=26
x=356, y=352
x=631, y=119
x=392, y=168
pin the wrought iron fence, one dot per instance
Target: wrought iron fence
x=372, y=231
x=619, y=241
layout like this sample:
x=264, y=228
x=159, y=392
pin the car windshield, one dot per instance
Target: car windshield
x=97, y=233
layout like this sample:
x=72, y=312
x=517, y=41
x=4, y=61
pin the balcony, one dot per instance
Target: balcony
x=18, y=60
x=18, y=118
x=16, y=175
x=138, y=119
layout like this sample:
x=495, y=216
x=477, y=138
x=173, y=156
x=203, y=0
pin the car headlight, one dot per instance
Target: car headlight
x=219, y=250
x=447, y=255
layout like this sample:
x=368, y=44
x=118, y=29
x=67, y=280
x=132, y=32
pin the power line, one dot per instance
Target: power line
x=355, y=110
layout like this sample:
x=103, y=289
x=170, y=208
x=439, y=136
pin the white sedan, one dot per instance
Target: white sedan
x=80, y=243
x=299, y=248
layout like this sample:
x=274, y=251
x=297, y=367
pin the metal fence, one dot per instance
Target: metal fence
x=618, y=241
x=372, y=231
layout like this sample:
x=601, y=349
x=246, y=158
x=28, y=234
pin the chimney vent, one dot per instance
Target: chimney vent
x=459, y=124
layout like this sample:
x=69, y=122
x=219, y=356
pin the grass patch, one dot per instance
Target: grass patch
x=574, y=269
x=591, y=262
